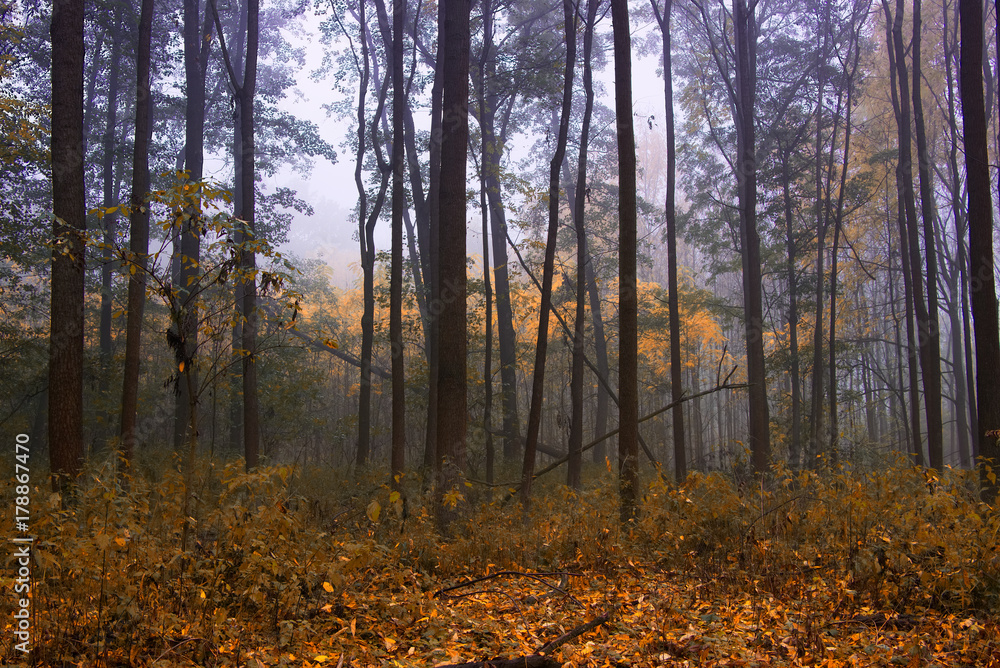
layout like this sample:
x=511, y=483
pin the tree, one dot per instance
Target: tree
x=541, y=347
x=931, y=327
x=670, y=210
x=138, y=232
x=396, y=269
x=628, y=303
x=574, y=470
x=452, y=367
x=196, y=51
x=744, y=94
x=983, y=286
x=244, y=88
x=69, y=228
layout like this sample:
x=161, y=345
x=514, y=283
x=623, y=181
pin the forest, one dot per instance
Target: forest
x=698, y=366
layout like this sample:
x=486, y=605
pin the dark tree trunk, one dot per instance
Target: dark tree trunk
x=601, y=353
x=983, y=292
x=791, y=252
x=431, y=455
x=628, y=306
x=138, y=233
x=676, y=390
x=816, y=424
x=110, y=195
x=541, y=349
x=931, y=329
x=453, y=334
x=195, y=64
x=962, y=345
x=398, y=457
x=367, y=257
x=904, y=175
x=69, y=227
x=575, y=469
x=492, y=150
x=746, y=84
x=251, y=413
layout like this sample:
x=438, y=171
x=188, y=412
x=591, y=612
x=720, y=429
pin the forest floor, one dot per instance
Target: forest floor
x=898, y=567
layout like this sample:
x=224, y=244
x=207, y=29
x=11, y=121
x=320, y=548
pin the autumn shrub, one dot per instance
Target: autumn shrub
x=897, y=537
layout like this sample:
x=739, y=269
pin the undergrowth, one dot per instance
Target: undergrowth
x=280, y=557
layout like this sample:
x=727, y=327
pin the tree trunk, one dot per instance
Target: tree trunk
x=746, y=84
x=138, y=233
x=431, y=455
x=398, y=457
x=791, y=251
x=601, y=353
x=367, y=257
x=251, y=413
x=904, y=172
x=492, y=150
x=195, y=64
x=541, y=349
x=453, y=334
x=983, y=292
x=964, y=369
x=677, y=416
x=109, y=221
x=574, y=471
x=628, y=306
x=931, y=328
x=69, y=227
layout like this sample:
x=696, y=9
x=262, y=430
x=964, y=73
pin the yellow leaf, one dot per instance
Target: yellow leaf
x=321, y=658
x=120, y=542
x=181, y=367
x=374, y=510
x=202, y=593
x=354, y=625
x=328, y=587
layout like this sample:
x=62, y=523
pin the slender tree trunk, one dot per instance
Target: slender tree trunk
x=791, y=250
x=677, y=415
x=453, y=335
x=816, y=391
x=138, y=233
x=488, y=353
x=628, y=306
x=575, y=469
x=541, y=349
x=69, y=227
x=396, y=269
x=109, y=221
x=931, y=328
x=964, y=368
x=492, y=151
x=431, y=455
x=983, y=288
x=367, y=257
x=236, y=374
x=905, y=178
x=601, y=353
x=251, y=413
x=195, y=64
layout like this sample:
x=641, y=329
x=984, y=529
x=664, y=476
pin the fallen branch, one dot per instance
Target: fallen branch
x=539, y=577
x=578, y=631
x=530, y=661
x=538, y=659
